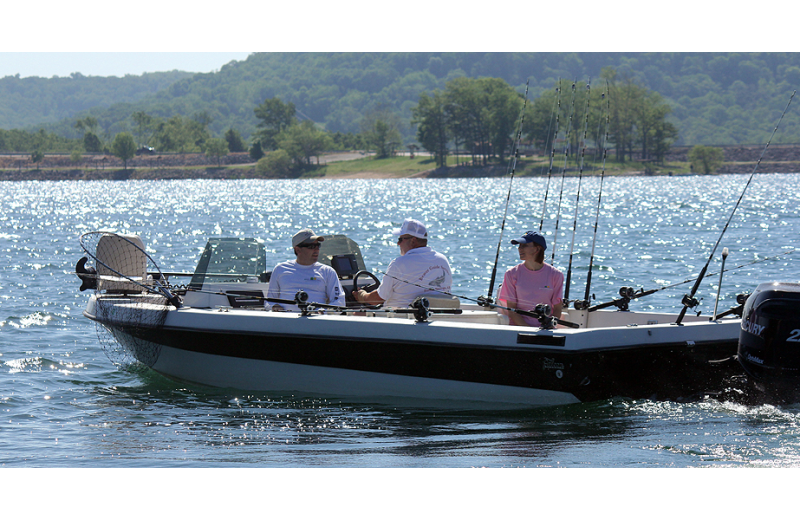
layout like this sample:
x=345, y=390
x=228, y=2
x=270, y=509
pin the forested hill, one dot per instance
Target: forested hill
x=33, y=102
x=717, y=98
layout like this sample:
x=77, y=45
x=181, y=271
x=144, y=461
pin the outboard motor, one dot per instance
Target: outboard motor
x=769, y=342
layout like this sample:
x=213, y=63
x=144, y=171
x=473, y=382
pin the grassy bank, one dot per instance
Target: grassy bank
x=397, y=167
x=394, y=167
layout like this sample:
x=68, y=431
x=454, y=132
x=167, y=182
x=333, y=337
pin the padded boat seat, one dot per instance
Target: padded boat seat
x=444, y=302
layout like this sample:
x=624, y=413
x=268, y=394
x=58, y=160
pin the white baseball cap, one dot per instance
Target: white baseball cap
x=305, y=235
x=412, y=227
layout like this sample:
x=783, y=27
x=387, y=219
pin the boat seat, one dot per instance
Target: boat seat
x=444, y=302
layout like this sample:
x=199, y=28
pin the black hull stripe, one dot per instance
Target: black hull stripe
x=665, y=370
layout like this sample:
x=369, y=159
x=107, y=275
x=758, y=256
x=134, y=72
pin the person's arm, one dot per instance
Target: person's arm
x=558, y=293
x=370, y=298
x=516, y=319
x=335, y=291
x=557, y=310
x=274, y=290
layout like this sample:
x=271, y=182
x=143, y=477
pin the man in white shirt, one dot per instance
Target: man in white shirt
x=418, y=271
x=319, y=281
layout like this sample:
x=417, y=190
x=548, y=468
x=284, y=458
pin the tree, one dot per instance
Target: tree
x=275, y=164
x=235, y=142
x=638, y=116
x=177, y=134
x=467, y=115
x=655, y=134
x=256, y=152
x=274, y=116
x=37, y=156
x=145, y=126
x=504, y=104
x=303, y=141
x=218, y=148
x=123, y=147
x=432, y=131
x=381, y=131
x=92, y=143
x=483, y=114
x=88, y=125
x=708, y=158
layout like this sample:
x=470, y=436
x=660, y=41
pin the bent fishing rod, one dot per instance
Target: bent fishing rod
x=689, y=299
x=508, y=197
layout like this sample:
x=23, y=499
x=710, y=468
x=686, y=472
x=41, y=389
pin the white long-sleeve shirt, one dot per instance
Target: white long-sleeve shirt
x=420, y=272
x=319, y=281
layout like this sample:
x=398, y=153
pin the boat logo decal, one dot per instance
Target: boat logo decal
x=752, y=327
x=550, y=364
x=754, y=359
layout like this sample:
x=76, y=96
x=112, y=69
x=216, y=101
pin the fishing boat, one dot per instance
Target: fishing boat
x=219, y=330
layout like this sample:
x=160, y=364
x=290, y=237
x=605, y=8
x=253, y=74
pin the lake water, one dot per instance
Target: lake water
x=63, y=404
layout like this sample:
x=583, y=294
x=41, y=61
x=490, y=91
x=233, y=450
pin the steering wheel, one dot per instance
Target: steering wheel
x=369, y=288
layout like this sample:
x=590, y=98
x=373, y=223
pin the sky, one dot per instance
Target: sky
x=49, y=64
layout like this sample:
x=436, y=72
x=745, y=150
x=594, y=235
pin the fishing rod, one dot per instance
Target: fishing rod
x=628, y=293
x=552, y=152
x=719, y=285
x=585, y=303
x=564, y=169
x=689, y=299
x=508, y=197
x=578, y=194
x=420, y=307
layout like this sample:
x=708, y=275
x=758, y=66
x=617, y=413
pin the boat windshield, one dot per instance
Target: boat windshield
x=341, y=253
x=230, y=260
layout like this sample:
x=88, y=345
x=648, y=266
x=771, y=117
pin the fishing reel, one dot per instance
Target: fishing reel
x=582, y=305
x=422, y=308
x=626, y=295
x=483, y=301
x=689, y=301
x=301, y=299
x=544, y=313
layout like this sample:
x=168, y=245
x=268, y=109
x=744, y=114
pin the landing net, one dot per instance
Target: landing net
x=132, y=297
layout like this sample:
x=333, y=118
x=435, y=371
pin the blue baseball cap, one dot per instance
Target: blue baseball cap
x=531, y=236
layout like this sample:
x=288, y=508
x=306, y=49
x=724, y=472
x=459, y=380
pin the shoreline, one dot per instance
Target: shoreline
x=228, y=174
x=173, y=166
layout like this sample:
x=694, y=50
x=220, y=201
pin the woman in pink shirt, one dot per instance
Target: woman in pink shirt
x=532, y=282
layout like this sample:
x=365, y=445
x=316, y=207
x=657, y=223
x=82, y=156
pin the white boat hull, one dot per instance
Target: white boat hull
x=449, y=359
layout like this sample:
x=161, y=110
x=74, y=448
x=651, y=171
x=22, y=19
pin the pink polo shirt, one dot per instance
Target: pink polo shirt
x=528, y=288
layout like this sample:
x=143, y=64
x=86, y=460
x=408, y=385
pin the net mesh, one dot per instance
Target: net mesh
x=131, y=302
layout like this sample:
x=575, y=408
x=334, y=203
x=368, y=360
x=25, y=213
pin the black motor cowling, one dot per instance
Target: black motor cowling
x=769, y=342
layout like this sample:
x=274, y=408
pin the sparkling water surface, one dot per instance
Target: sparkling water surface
x=64, y=404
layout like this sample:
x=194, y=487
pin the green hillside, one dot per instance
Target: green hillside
x=35, y=102
x=716, y=98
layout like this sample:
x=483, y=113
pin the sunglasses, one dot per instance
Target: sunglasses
x=315, y=245
x=403, y=238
